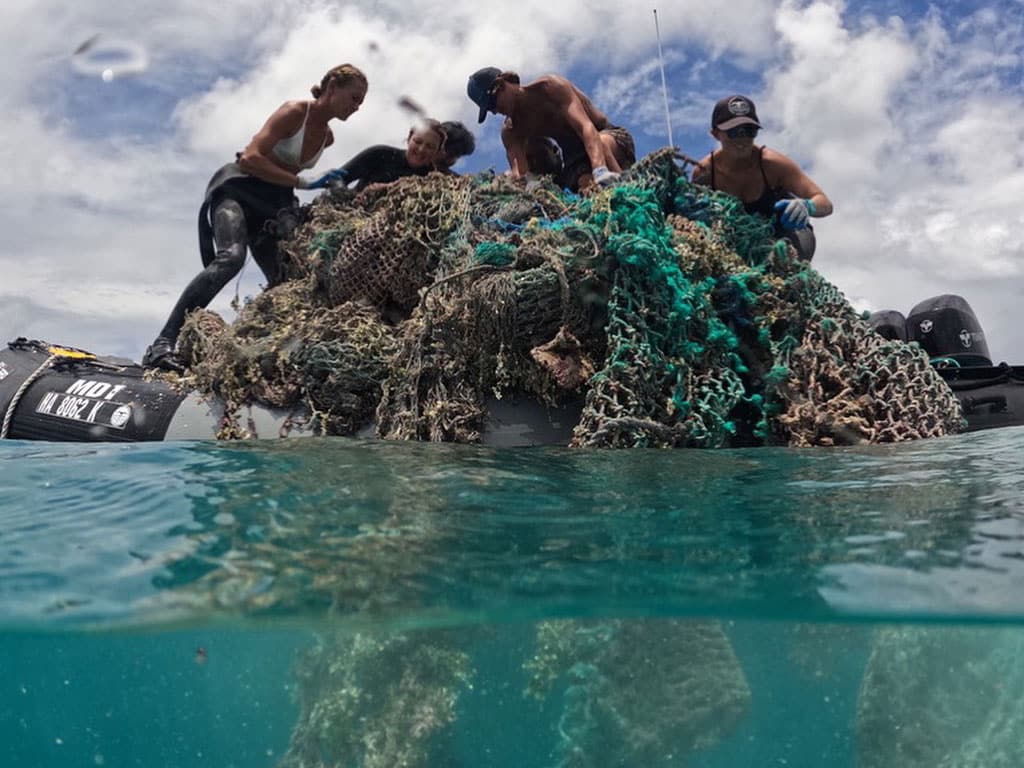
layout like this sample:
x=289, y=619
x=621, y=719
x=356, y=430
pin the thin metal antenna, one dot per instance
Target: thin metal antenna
x=664, y=85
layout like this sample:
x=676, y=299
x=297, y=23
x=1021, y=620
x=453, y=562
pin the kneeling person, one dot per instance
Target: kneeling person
x=593, y=150
x=766, y=182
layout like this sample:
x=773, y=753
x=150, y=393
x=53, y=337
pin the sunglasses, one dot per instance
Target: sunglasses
x=742, y=132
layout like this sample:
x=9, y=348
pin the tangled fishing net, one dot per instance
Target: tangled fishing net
x=674, y=316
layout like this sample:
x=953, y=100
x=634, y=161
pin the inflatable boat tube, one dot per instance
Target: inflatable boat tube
x=49, y=392
x=991, y=396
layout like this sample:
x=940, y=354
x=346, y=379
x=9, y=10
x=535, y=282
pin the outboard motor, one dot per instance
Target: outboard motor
x=945, y=326
x=889, y=324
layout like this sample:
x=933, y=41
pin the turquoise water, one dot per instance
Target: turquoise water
x=345, y=603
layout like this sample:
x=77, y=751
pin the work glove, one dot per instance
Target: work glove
x=603, y=177
x=337, y=176
x=793, y=214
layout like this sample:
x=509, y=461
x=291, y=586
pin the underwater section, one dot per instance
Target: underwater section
x=347, y=602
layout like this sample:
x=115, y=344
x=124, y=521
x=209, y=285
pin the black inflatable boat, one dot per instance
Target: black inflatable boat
x=58, y=393
x=62, y=394
x=948, y=330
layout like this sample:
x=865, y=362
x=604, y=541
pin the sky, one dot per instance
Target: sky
x=908, y=115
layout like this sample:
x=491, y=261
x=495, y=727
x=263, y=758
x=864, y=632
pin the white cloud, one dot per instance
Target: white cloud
x=894, y=119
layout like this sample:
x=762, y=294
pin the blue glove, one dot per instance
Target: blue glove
x=337, y=176
x=793, y=214
x=604, y=177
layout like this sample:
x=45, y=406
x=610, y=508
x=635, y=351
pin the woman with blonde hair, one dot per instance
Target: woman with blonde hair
x=243, y=196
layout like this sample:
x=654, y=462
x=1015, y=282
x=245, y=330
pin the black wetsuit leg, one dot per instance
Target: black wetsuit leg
x=267, y=256
x=231, y=238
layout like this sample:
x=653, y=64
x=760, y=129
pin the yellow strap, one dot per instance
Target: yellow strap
x=76, y=354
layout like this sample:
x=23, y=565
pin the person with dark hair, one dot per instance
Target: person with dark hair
x=766, y=182
x=246, y=195
x=593, y=150
x=459, y=142
x=383, y=164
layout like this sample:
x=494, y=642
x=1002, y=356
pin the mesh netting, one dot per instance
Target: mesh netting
x=675, y=316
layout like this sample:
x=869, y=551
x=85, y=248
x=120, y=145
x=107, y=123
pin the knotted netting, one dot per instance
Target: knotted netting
x=676, y=317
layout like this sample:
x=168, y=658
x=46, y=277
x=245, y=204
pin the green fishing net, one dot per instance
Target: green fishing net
x=673, y=315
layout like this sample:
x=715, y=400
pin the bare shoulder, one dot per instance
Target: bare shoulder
x=702, y=170
x=775, y=160
x=784, y=172
x=291, y=108
x=552, y=87
x=288, y=116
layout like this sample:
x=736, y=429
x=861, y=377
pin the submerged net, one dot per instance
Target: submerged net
x=674, y=316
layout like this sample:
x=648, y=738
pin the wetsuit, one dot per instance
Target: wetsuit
x=802, y=239
x=233, y=217
x=381, y=164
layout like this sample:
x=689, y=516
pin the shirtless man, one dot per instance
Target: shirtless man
x=593, y=150
x=766, y=182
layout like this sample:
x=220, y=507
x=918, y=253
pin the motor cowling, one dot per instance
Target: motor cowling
x=946, y=326
x=889, y=324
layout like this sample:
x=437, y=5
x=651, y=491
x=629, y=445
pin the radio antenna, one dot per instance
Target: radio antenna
x=664, y=85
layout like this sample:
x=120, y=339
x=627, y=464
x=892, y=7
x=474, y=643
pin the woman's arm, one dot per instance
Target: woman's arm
x=255, y=158
x=373, y=164
x=702, y=172
x=792, y=179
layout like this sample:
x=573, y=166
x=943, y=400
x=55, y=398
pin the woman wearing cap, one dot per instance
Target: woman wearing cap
x=245, y=195
x=592, y=149
x=767, y=182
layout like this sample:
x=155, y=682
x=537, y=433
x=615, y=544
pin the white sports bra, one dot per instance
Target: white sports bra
x=289, y=151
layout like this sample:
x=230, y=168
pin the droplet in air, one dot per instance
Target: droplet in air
x=410, y=105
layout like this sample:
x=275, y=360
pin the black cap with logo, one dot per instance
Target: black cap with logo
x=480, y=90
x=733, y=111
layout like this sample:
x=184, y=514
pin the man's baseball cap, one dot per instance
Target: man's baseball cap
x=733, y=111
x=479, y=90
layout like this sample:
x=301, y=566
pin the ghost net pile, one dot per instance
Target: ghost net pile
x=675, y=315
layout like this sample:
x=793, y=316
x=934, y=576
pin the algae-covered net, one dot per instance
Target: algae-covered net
x=675, y=316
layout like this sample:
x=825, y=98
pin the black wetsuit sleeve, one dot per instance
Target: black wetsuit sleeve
x=379, y=164
x=360, y=165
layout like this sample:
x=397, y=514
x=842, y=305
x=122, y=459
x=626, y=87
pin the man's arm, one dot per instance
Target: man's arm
x=515, y=150
x=255, y=158
x=578, y=119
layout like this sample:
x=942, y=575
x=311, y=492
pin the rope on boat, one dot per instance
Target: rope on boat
x=13, y=405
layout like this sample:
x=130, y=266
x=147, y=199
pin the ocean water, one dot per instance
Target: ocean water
x=362, y=604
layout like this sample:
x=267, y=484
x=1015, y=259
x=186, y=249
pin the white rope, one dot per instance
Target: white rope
x=9, y=416
x=664, y=85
